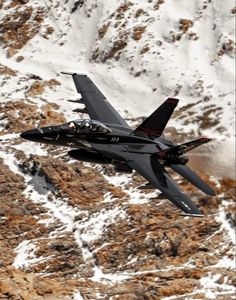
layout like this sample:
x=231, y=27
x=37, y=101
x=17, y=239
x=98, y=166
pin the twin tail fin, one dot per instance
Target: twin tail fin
x=154, y=125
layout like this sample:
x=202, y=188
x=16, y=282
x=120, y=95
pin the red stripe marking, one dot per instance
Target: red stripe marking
x=172, y=100
x=150, y=131
x=205, y=139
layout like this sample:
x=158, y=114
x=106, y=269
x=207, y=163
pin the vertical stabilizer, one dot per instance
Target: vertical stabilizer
x=154, y=125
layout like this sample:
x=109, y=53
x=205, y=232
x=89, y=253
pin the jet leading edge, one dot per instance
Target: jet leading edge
x=106, y=138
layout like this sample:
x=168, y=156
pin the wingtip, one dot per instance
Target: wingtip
x=172, y=100
x=73, y=73
x=211, y=192
x=205, y=139
x=192, y=215
x=67, y=73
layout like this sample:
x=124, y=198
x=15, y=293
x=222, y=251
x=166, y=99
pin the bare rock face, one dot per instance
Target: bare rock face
x=37, y=88
x=20, y=285
x=66, y=229
x=56, y=222
x=4, y=70
x=20, y=25
x=21, y=116
x=185, y=24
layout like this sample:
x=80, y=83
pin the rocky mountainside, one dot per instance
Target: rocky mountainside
x=70, y=230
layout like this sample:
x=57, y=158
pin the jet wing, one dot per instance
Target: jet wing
x=152, y=170
x=96, y=104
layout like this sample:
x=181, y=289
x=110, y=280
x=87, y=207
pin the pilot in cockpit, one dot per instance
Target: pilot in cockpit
x=86, y=126
x=79, y=126
x=72, y=126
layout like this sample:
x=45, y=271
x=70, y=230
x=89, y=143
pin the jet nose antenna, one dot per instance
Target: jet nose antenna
x=31, y=135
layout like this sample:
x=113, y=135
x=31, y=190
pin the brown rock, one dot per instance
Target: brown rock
x=140, y=12
x=11, y=52
x=7, y=71
x=28, y=286
x=158, y=3
x=50, y=30
x=18, y=26
x=152, y=242
x=42, y=288
x=138, y=31
x=114, y=51
x=227, y=47
x=145, y=49
x=37, y=88
x=102, y=30
x=185, y=24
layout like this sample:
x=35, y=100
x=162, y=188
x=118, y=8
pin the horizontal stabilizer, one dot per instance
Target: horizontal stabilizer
x=154, y=125
x=182, y=148
x=192, y=177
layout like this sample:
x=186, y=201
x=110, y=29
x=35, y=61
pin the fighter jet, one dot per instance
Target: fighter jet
x=106, y=138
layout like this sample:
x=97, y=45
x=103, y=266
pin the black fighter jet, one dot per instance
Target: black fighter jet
x=106, y=138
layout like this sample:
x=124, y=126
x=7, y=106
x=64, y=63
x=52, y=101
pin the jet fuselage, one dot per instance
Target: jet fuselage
x=89, y=141
x=55, y=135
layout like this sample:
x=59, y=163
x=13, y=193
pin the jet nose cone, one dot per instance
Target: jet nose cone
x=31, y=135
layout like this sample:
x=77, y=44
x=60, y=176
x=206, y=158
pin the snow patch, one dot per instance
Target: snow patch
x=221, y=218
x=41, y=192
x=9, y=137
x=136, y=196
x=10, y=160
x=94, y=227
x=78, y=296
x=99, y=276
x=29, y=148
x=211, y=288
x=25, y=255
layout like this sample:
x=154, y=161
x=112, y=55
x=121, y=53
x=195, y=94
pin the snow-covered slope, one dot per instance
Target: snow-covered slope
x=139, y=53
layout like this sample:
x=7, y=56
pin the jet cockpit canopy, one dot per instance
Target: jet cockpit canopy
x=85, y=126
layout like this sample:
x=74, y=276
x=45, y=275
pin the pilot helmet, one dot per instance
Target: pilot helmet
x=86, y=124
x=72, y=126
